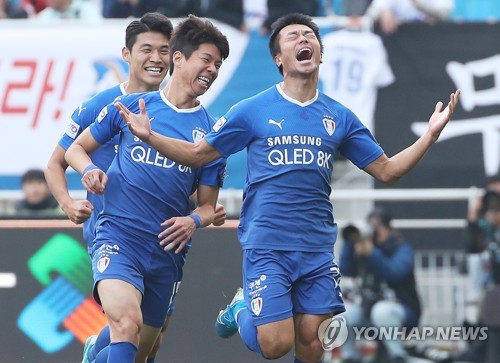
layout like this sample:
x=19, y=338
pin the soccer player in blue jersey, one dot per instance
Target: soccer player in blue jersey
x=287, y=231
x=146, y=51
x=144, y=231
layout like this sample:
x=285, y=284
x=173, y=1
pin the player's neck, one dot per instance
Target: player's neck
x=301, y=90
x=131, y=86
x=177, y=97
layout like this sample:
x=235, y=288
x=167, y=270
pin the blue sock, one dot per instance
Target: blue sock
x=101, y=342
x=123, y=352
x=248, y=331
x=102, y=355
x=296, y=360
x=151, y=360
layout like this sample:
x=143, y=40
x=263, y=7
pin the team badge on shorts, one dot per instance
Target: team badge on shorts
x=256, y=305
x=102, y=264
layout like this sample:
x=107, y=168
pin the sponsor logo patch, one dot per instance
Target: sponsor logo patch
x=220, y=122
x=102, y=114
x=73, y=129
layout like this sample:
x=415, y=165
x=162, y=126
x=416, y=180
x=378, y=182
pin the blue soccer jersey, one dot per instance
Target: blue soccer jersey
x=82, y=117
x=144, y=187
x=290, y=149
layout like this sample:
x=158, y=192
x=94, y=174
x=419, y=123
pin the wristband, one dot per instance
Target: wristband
x=89, y=168
x=196, y=218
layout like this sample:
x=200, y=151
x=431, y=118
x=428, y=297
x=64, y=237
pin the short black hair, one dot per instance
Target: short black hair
x=32, y=175
x=382, y=215
x=284, y=21
x=490, y=202
x=351, y=233
x=492, y=179
x=192, y=32
x=149, y=22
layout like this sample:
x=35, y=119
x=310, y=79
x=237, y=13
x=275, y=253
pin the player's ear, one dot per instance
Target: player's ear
x=277, y=60
x=126, y=54
x=177, y=57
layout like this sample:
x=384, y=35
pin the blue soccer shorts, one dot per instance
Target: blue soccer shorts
x=157, y=274
x=278, y=284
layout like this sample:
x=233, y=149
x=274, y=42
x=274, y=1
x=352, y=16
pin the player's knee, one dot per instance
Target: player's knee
x=313, y=350
x=126, y=327
x=275, y=346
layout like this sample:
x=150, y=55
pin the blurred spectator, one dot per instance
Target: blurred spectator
x=33, y=7
x=122, y=9
x=277, y=8
x=387, y=295
x=478, y=234
x=38, y=201
x=476, y=240
x=226, y=11
x=137, y=8
x=255, y=12
x=11, y=10
x=487, y=234
x=355, y=64
x=483, y=231
x=70, y=9
x=392, y=13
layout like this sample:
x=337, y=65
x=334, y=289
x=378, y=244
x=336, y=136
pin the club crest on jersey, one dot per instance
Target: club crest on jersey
x=329, y=124
x=256, y=305
x=72, y=129
x=102, y=114
x=103, y=263
x=198, y=135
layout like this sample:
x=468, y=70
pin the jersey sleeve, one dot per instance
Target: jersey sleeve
x=107, y=124
x=359, y=145
x=213, y=174
x=81, y=118
x=232, y=132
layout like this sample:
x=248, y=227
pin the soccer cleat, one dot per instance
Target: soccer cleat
x=225, y=324
x=89, y=343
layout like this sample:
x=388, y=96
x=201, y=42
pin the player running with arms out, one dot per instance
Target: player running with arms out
x=287, y=230
x=137, y=258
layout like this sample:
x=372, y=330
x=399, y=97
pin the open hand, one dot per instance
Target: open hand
x=440, y=117
x=139, y=124
x=177, y=233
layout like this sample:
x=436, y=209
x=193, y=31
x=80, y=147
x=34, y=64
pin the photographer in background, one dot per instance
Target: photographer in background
x=387, y=294
x=484, y=244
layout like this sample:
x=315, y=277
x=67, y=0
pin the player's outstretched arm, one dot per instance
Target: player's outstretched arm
x=390, y=170
x=78, y=211
x=180, y=151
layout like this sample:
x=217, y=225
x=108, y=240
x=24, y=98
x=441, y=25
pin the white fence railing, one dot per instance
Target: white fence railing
x=441, y=286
